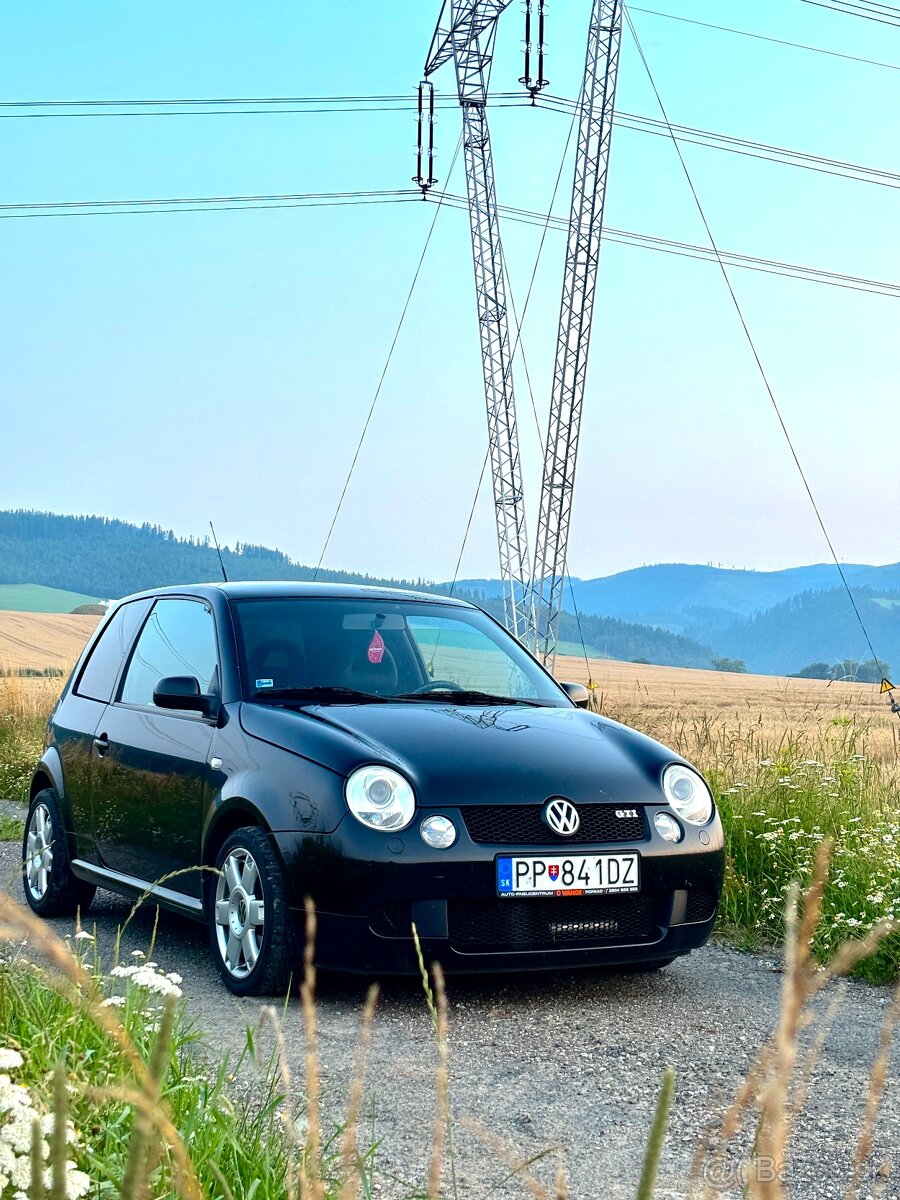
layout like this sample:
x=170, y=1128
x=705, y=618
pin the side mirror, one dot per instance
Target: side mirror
x=577, y=693
x=183, y=692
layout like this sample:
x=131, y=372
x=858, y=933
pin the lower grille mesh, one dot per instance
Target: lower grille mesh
x=392, y=919
x=701, y=905
x=544, y=924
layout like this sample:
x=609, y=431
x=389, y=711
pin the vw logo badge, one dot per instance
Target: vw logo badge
x=562, y=817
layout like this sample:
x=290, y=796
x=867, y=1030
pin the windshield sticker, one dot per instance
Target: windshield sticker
x=264, y=683
x=376, y=648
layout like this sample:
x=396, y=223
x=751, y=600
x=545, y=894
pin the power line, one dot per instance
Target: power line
x=883, y=14
x=137, y=208
x=327, y=197
x=746, y=328
x=643, y=241
x=761, y=37
x=635, y=122
x=745, y=146
x=387, y=363
x=254, y=203
x=264, y=106
x=173, y=102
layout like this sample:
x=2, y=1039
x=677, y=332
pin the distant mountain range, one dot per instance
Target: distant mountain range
x=676, y=614
x=682, y=597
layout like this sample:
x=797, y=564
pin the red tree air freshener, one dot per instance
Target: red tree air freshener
x=376, y=648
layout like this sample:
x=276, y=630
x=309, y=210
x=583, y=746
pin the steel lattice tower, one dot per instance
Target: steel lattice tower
x=466, y=31
x=576, y=313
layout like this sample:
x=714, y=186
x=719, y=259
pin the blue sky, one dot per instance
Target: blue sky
x=174, y=368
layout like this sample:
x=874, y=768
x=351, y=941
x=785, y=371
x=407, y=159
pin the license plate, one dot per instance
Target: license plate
x=568, y=875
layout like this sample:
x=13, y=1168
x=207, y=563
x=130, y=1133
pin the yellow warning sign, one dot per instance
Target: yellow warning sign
x=886, y=686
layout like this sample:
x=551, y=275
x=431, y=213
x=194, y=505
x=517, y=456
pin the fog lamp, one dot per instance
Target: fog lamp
x=667, y=827
x=438, y=832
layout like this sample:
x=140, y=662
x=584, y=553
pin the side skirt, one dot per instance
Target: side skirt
x=130, y=885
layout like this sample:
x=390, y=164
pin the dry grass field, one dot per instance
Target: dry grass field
x=39, y=640
x=673, y=703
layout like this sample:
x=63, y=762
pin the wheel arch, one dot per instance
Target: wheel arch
x=222, y=825
x=49, y=774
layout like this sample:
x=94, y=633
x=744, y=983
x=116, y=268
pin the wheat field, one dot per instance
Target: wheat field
x=35, y=641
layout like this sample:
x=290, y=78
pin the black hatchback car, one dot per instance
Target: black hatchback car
x=398, y=757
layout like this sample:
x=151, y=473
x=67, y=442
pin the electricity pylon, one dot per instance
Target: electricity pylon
x=466, y=32
x=575, y=318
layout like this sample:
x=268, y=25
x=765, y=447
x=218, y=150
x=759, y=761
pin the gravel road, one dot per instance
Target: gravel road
x=564, y=1062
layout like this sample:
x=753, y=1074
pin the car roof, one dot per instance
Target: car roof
x=275, y=589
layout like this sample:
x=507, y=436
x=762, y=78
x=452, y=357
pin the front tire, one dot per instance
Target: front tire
x=50, y=887
x=254, y=941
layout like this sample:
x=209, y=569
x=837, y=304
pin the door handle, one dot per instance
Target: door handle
x=101, y=744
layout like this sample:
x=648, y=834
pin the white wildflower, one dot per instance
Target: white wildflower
x=9, y=1059
x=144, y=975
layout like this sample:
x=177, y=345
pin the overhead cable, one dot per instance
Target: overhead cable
x=762, y=37
x=643, y=241
x=748, y=262
x=634, y=122
x=723, y=266
x=387, y=363
x=883, y=14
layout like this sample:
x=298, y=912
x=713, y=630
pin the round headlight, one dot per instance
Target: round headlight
x=380, y=798
x=687, y=793
x=438, y=832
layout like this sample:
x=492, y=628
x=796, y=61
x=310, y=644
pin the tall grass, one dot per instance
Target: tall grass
x=24, y=707
x=781, y=793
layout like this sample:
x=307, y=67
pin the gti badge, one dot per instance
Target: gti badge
x=561, y=816
x=623, y=813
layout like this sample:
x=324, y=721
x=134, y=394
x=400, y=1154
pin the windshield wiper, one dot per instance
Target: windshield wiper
x=467, y=696
x=320, y=695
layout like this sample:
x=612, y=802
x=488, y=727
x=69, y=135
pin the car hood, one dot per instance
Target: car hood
x=457, y=755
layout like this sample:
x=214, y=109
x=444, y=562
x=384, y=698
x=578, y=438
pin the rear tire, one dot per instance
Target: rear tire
x=51, y=889
x=252, y=933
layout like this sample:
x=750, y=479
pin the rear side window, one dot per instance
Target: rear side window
x=179, y=638
x=98, y=677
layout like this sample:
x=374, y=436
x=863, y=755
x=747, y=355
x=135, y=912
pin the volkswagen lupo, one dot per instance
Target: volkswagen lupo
x=397, y=757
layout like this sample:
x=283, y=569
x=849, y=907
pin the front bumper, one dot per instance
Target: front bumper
x=369, y=890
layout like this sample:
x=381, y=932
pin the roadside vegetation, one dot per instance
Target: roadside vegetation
x=828, y=773
x=25, y=704
x=11, y=828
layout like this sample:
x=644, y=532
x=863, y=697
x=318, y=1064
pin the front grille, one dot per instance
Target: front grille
x=484, y=925
x=701, y=905
x=522, y=825
x=392, y=919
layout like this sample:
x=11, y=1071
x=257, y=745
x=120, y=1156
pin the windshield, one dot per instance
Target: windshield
x=295, y=649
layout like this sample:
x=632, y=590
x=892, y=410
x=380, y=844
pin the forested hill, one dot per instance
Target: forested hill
x=817, y=627
x=108, y=558
x=100, y=557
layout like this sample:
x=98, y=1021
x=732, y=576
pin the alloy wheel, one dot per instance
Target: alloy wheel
x=39, y=851
x=240, y=913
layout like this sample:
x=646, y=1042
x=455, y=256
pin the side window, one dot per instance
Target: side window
x=98, y=678
x=178, y=639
